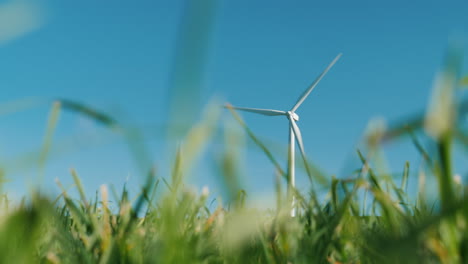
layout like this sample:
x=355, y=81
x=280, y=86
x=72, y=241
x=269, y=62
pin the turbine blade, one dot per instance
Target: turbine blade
x=312, y=86
x=297, y=133
x=268, y=112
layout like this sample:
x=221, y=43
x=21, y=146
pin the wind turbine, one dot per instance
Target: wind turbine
x=294, y=132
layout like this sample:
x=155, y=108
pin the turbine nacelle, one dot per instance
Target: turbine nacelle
x=293, y=115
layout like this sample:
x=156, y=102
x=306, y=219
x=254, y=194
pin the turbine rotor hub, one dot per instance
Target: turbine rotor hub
x=293, y=115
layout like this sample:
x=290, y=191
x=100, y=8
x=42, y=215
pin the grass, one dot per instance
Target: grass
x=368, y=217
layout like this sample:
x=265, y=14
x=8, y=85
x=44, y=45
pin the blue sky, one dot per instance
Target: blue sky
x=120, y=57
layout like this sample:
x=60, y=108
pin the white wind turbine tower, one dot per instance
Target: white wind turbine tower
x=294, y=132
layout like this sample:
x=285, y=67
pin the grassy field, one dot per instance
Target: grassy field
x=367, y=217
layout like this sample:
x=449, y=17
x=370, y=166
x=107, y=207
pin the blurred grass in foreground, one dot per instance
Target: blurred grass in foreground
x=387, y=224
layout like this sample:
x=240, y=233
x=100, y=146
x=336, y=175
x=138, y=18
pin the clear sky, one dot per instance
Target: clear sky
x=119, y=56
